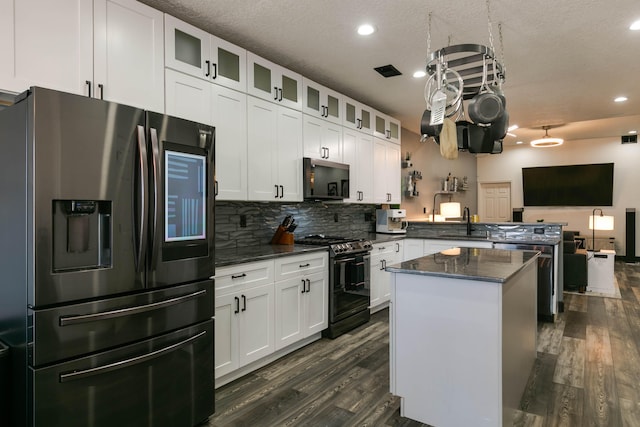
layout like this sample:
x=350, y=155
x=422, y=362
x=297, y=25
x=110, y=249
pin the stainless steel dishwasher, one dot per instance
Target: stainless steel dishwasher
x=546, y=288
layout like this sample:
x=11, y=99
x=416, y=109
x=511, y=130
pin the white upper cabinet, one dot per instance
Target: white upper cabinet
x=358, y=154
x=273, y=83
x=322, y=139
x=322, y=102
x=386, y=171
x=357, y=116
x=128, y=54
x=275, y=152
x=192, y=51
x=195, y=99
x=386, y=127
x=45, y=43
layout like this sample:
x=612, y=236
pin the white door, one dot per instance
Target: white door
x=129, y=53
x=262, y=125
x=289, y=155
x=312, y=134
x=289, y=311
x=393, y=172
x=365, y=168
x=45, y=43
x=186, y=48
x=256, y=330
x=229, y=116
x=227, y=309
x=188, y=97
x=495, y=202
x=316, y=303
x=380, y=193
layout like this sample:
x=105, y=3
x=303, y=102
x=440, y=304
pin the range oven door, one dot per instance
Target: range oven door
x=350, y=282
x=163, y=381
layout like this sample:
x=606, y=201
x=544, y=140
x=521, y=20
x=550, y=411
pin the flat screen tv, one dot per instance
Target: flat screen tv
x=574, y=185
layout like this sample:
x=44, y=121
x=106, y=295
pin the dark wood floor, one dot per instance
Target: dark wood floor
x=587, y=373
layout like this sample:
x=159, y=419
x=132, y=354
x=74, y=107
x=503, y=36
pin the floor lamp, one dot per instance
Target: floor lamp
x=600, y=222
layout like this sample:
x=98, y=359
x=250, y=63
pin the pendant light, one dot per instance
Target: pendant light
x=546, y=141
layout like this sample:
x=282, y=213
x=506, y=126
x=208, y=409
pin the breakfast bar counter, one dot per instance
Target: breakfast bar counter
x=463, y=335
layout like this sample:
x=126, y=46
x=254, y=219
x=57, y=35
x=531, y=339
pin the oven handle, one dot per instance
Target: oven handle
x=84, y=318
x=343, y=260
x=77, y=375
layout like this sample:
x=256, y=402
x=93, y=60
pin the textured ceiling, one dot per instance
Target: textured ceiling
x=565, y=60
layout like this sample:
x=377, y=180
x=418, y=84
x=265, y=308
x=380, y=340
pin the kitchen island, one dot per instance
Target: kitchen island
x=463, y=335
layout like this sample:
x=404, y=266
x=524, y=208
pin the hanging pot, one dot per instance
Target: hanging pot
x=486, y=106
x=426, y=128
x=500, y=126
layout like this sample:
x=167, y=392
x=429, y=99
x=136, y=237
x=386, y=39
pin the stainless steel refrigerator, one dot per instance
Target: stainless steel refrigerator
x=107, y=258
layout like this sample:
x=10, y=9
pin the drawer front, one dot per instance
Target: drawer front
x=299, y=265
x=242, y=276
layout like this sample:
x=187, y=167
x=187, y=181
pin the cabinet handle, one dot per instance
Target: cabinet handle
x=359, y=123
x=281, y=191
x=304, y=265
x=101, y=87
x=303, y=287
x=208, y=73
x=382, y=248
x=275, y=93
x=244, y=303
x=388, y=133
x=397, y=247
x=276, y=190
x=215, y=186
x=237, y=310
x=88, y=83
x=381, y=264
x=239, y=276
x=280, y=92
x=308, y=285
x=215, y=70
x=328, y=152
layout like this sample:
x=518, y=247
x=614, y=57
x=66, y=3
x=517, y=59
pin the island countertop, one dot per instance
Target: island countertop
x=482, y=264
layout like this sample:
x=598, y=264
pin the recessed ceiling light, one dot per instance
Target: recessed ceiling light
x=633, y=132
x=620, y=99
x=635, y=26
x=366, y=29
x=512, y=127
x=418, y=74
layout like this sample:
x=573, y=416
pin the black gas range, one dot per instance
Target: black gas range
x=349, y=281
x=338, y=246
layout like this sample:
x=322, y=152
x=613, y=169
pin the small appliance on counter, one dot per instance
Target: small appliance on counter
x=391, y=221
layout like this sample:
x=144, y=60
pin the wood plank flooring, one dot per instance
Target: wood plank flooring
x=587, y=373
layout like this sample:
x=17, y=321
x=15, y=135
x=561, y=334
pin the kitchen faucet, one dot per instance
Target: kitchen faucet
x=467, y=215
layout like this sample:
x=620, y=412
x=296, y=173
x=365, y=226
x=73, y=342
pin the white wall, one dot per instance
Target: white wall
x=626, y=181
x=426, y=158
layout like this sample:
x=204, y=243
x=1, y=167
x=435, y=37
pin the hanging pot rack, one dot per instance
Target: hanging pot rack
x=467, y=60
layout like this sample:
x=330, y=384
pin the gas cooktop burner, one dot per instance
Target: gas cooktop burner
x=337, y=245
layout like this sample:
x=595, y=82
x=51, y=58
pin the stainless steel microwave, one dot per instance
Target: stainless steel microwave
x=324, y=180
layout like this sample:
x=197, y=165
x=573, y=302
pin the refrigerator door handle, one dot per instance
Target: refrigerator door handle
x=155, y=152
x=85, y=373
x=144, y=200
x=84, y=318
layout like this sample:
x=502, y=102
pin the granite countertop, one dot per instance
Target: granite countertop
x=487, y=265
x=233, y=256
x=544, y=240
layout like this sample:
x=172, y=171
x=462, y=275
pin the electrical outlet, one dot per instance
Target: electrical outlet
x=243, y=221
x=424, y=210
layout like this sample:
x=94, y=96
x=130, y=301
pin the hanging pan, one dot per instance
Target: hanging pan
x=486, y=106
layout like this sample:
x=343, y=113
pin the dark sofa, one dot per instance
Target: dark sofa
x=574, y=263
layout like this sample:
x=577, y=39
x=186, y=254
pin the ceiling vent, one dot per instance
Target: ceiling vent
x=388, y=71
x=629, y=139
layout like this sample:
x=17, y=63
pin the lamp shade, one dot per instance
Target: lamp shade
x=597, y=222
x=450, y=209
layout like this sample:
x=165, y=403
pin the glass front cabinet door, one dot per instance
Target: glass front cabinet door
x=273, y=83
x=192, y=51
x=322, y=102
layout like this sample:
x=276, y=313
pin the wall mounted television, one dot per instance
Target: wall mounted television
x=573, y=185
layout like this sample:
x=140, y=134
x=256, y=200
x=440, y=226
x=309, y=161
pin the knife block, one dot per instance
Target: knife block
x=282, y=237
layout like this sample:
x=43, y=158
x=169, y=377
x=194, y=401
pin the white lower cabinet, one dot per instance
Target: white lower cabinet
x=413, y=248
x=265, y=306
x=301, y=298
x=382, y=255
x=244, y=309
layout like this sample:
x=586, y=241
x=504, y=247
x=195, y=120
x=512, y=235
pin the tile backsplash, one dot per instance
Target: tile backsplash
x=262, y=220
